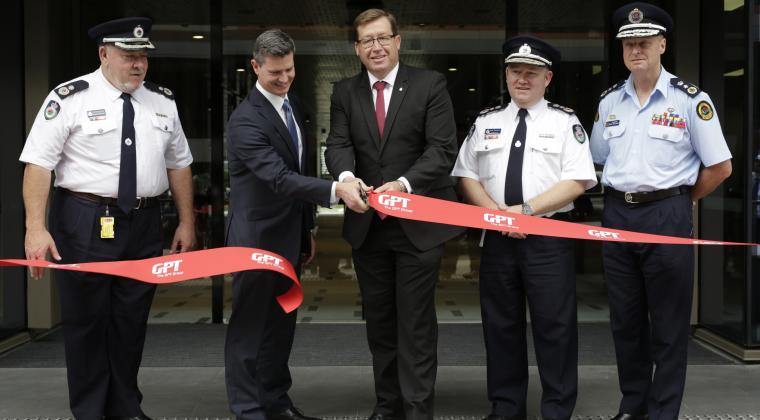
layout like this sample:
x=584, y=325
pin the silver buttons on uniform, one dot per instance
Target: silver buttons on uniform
x=128, y=142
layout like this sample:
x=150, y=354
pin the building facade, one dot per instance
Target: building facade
x=203, y=52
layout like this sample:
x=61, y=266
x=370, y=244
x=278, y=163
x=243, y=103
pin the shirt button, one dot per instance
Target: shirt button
x=128, y=142
x=100, y=130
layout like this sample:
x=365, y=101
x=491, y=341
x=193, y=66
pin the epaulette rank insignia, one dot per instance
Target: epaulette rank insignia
x=612, y=88
x=490, y=110
x=564, y=109
x=71, y=88
x=159, y=89
x=689, y=88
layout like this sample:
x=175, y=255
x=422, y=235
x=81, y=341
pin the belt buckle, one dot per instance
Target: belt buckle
x=140, y=203
x=629, y=198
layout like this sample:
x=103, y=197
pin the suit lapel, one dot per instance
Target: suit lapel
x=399, y=92
x=368, y=107
x=267, y=111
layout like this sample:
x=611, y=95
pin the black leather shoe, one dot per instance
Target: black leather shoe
x=498, y=417
x=140, y=417
x=626, y=416
x=291, y=413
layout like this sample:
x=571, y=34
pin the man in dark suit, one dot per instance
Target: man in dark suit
x=393, y=126
x=272, y=201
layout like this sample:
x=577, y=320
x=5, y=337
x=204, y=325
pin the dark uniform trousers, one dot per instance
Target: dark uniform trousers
x=541, y=269
x=258, y=344
x=104, y=317
x=650, y=291
x=397, y=283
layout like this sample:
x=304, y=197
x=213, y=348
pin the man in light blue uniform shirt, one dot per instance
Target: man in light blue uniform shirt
x=662, y=148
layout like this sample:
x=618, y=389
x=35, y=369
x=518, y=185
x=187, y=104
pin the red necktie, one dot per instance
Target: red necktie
x=380, y=116
x=380, y=106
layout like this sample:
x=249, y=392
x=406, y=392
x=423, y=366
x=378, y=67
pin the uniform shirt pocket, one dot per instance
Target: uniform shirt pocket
x=661, y=132
x=101, y=139
x=613, y=132
x=665, y=145
x=163, y=124
x=490, y=153
x=96, y=128
x=163, y=128
x=545, y=161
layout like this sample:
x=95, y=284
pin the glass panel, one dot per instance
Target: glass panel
x=722, y=270
x=754, y=280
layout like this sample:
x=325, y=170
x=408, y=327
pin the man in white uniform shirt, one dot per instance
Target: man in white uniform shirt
x=115, y=143
x=530, y=157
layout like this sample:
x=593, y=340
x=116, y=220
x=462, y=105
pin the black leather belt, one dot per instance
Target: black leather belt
x=142, y=202
x=649, y=196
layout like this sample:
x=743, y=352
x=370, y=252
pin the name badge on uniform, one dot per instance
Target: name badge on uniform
x=612, y=121
x=107, y=227
x=492, y=133
x=96, y=114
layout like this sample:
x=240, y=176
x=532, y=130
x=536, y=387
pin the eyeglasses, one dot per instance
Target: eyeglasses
x=383, y=40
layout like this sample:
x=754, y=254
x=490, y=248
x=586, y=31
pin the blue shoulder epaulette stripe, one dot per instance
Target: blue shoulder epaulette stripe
x=71, y=88
x=558, y=107
x=159, y=89
x=612, y=88
x=688, y=88
x=491, y=109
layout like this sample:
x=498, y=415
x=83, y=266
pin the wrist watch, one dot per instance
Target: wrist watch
x=401, y=184
x=527, y=209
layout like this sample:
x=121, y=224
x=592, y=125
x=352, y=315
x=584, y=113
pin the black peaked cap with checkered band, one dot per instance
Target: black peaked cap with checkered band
x=131, y=33
x=640, y=20
x=530, y=50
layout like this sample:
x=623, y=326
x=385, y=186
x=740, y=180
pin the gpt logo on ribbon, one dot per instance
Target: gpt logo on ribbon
x=603, y=235
x=266, y=259
x=394, y=202
x=498, y=219
x=166, y=269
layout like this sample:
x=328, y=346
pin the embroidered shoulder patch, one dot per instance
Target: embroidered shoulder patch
x=71, y=88
x=705, y=110
x=52, y=109
x=579, y=133
x=159, y=89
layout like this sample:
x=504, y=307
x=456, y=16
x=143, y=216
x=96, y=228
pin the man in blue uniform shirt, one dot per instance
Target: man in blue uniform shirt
x=662, y=148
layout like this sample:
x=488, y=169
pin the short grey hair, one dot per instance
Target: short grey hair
x=273, y=42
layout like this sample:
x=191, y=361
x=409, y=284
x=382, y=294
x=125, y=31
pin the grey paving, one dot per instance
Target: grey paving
x=712, y=392
x=201, y=345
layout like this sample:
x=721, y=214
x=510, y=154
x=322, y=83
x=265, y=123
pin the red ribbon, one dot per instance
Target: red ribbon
x=210, y=262
x=189, y=265
x=426, y=209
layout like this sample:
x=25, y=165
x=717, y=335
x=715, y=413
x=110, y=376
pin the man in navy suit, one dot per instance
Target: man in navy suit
x=272, y=200
x=393, y=126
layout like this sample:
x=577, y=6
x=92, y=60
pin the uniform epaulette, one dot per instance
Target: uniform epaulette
x=71, y=88
x=559, y=107
x=612, y=88
x=491, y=109
x=688, y=88
x=159, y=89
